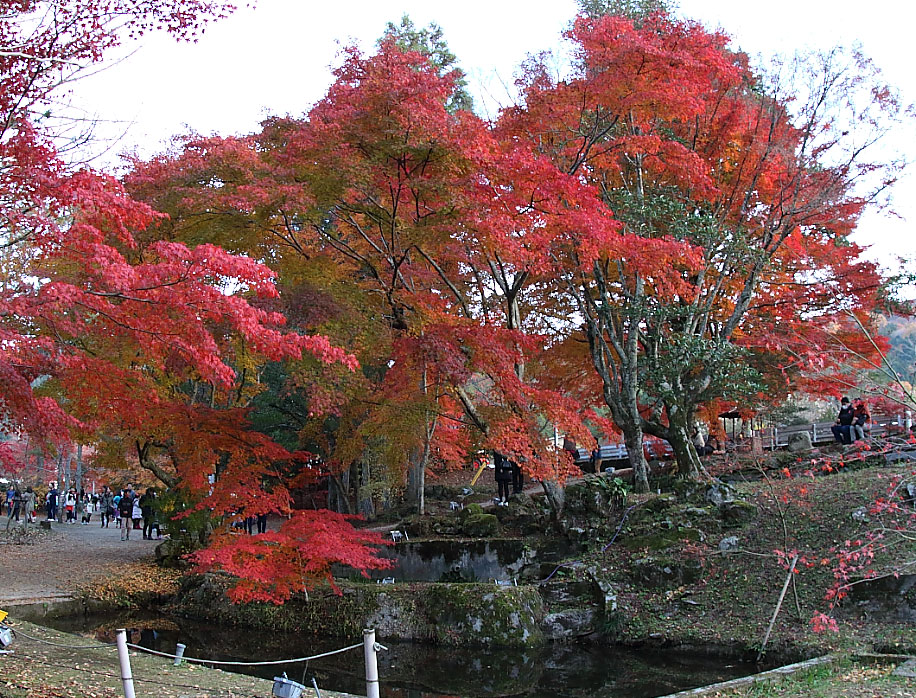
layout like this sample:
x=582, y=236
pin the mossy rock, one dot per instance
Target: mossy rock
x=480, y=525
x=450, y=614
x=570, y=623
x=170, y=553
x=664, y=572
x=661, y=503
x=662, y=540
x=473, y=509
x=591, y=497
x=737, y=513
x=485, y=614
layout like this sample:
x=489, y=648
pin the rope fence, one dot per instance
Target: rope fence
x=369, y=646
x=273, y=662
x=57, y=644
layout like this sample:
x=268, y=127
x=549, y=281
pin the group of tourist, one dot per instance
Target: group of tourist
x=19, y=504
x=251, y=523
x=852, y=422
x=129, y=510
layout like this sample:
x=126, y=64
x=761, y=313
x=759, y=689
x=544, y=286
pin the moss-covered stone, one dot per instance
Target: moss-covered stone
x=485, y=614
x=662, y=539
x=737, y=513
x=480, y=525
x=661, y=503
x=664, y=572
x=451, y=614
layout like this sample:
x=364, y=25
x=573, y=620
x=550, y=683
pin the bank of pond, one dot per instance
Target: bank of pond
x=426, y=670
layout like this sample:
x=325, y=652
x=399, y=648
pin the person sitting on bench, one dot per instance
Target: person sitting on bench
x=861, y=419
x=842, y=430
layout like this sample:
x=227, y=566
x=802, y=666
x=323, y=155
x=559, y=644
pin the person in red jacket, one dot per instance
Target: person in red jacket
x=861, y=419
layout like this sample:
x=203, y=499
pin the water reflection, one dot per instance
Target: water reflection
x=410, y=670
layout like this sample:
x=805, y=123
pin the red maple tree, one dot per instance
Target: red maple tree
x=108, y=332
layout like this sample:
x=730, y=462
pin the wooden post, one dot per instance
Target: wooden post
x=127, y=679
x=372, y=689
x=785, y=588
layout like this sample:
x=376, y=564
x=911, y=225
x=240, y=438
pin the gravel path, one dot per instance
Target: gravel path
x=59, y=560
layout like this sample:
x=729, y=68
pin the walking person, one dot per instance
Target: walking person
x=51, y=500
x=503, y=477
x=155, y=524
x=88, y=509
x=70, y=506
x=28, y=505
x=147, y=509
x=117, y=507
x=10, y=493
x=125, y=509
x=106, y=506
x=262, y=523
x=15, y=507
x=518, y=478
x=136, y=513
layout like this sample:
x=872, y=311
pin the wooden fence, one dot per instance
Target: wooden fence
x=769, y=438
x=821, y=432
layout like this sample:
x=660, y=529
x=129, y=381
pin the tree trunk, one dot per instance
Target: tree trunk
x=79, y=467
x=365, y=503
x=633, y=437
x=685, y=453
x=678, y=434
x=556, y=496
x=341, y=499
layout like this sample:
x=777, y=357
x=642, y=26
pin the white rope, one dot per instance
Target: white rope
x=273, y=662
x=193, y=659
x=56, y=644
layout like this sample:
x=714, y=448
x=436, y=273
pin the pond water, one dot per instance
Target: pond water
x=411, y=670
x=469, y=560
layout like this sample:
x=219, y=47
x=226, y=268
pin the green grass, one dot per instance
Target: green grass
x=843, y=679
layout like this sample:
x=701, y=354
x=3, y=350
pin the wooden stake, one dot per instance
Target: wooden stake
x=785, y=588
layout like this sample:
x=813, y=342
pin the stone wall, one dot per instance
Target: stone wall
x=447, y=614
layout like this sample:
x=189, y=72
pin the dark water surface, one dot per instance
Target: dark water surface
x=412, y=670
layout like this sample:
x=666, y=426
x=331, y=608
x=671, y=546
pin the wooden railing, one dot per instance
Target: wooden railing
x=821, y=432
x=769, y=438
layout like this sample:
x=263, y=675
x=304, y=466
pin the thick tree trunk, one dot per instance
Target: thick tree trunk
x=416, y=476
x=341, y=500
x=556, y=497
x=633, y=437
x=685, y=453
x=680, y=426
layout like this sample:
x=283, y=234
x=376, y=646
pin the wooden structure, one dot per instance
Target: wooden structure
x=821, y=432
x=769, y=438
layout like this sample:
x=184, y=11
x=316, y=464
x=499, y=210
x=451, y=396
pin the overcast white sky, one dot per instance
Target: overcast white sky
x=275, y=58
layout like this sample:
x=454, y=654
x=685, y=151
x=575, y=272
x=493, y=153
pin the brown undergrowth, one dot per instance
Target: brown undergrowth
x=131, y=586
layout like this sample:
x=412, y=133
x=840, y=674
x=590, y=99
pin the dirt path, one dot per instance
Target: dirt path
x=68, y=555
